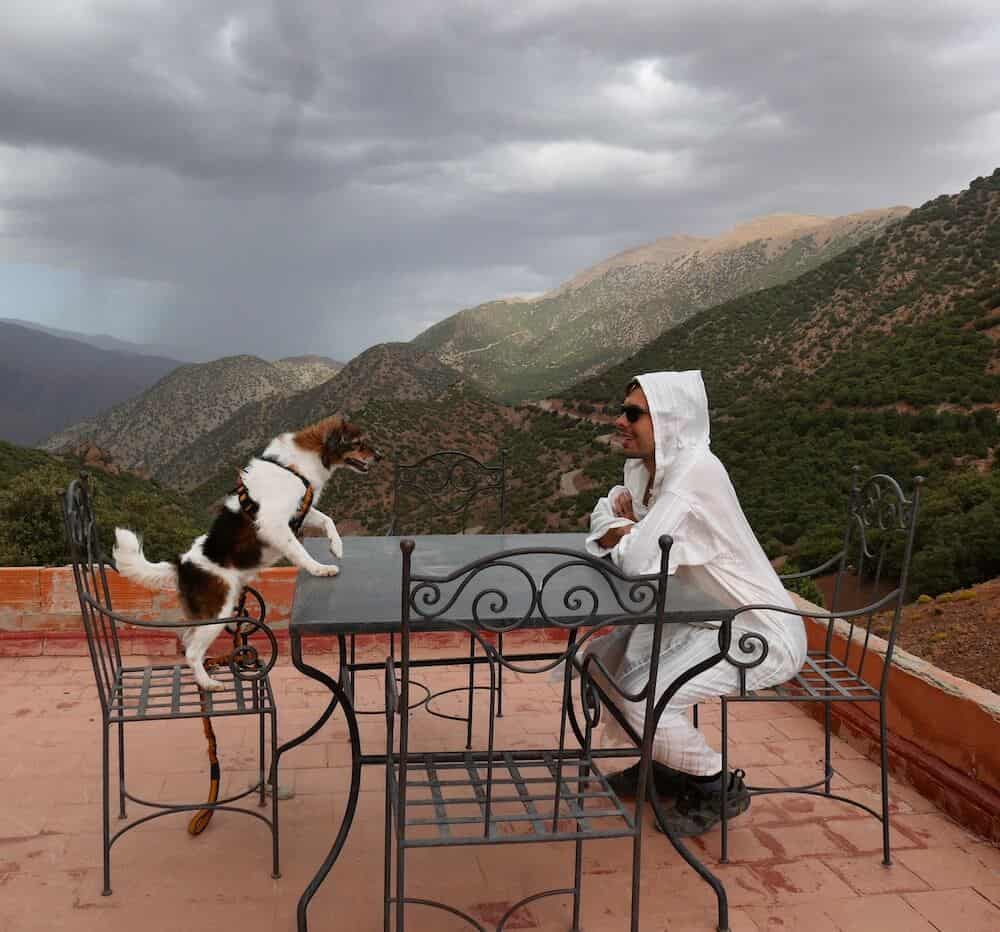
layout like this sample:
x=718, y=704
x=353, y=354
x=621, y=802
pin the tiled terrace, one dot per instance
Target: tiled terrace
x=797, y=863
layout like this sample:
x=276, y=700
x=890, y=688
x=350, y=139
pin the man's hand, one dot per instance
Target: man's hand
x=622, y=506
x=615, y=534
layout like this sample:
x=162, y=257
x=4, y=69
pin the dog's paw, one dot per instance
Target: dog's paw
x=337, y=546
x=325, y=569
x=211, y=686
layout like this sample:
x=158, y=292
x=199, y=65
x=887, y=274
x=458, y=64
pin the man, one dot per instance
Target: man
x=675, y=485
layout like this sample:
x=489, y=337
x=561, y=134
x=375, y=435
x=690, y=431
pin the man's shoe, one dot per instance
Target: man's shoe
x=669, y=782
x=699, y=808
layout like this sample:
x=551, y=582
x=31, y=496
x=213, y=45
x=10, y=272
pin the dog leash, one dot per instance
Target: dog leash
x=199, y=821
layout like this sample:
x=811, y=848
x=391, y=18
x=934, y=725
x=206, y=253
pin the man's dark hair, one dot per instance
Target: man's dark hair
x=632, y=386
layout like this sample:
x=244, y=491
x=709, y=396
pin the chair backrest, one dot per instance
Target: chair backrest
x=872, y=567
x=436, y=494
x=89, y=562
x=520, y=589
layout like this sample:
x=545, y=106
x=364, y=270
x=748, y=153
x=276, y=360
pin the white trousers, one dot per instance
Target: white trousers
x=676, y=742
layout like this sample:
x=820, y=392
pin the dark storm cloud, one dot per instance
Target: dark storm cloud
x=304, y=176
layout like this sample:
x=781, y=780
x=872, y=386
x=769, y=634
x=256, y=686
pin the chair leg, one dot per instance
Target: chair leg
x=121, y=771
x=400, y=888
x=472, y=686
x=500, y=677
x=582, y=780
x=724, y=851
x=106, y=809
x=884, y=748
x=577, y=883
x=353, y=673
x=275, y=839
x=387, y=859
x=636, y=875
x=260, y=745
x=828, y=759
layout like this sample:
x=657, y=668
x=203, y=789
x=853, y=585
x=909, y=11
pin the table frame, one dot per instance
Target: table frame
x=341, y=689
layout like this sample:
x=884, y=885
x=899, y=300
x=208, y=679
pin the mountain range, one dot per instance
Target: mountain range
x=49, y=382
x=533, y=348
x=884, y=355
x=107, y=342
x=152, y=428
x=387, y=371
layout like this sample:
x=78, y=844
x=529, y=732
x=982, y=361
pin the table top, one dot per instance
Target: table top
x=366, y=596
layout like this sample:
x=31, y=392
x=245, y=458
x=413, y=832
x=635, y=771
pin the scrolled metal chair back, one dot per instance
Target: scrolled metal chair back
x=440, y=491
x=90, y=576
x=874, y=563
x=521, y=589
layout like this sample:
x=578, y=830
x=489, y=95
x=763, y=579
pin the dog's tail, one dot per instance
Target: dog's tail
x=132, y=563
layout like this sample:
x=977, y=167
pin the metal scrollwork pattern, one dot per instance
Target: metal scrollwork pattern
x=532, y=588
x=493, y=608
x=81, y=529
x=881, y=504
x=448, y=482
x=590, y=702
x=753, y=650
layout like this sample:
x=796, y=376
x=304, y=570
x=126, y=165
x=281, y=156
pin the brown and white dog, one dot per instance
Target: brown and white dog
x=257, y=525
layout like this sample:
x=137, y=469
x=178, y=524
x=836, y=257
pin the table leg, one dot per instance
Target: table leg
x=338, y=695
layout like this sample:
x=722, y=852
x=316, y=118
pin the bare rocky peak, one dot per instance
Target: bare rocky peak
x=663, y=252
x=308, y=371
x=781, y=230
x=783, y=227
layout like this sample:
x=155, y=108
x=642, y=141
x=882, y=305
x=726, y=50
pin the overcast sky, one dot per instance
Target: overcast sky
x=304, y=176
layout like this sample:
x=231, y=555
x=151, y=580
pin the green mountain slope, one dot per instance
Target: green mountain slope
x=526, y=349
x=31, y=523
x=388, y=371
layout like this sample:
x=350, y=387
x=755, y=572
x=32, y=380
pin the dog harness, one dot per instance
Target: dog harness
x=251, y=507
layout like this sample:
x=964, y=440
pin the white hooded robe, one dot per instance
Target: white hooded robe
x=692, y=499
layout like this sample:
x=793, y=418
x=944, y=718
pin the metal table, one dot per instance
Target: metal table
x=365, y=599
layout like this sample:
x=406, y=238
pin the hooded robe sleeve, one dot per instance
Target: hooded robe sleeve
x=602, y=519
x=695, y=544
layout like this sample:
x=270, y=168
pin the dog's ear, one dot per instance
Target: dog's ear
x=333, y=440
x=335, y=432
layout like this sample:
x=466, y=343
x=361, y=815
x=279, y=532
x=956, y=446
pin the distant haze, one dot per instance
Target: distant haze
x=300, y=177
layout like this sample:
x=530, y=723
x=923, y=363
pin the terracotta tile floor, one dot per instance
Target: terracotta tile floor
x=796, y=862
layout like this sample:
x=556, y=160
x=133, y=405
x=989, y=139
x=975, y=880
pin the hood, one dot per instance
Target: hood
x=678, y=405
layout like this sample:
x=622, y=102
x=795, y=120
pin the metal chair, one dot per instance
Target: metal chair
x=549, y=794
x=872, y=569
x=443, y=486
x=437, y=494
x=131, y=695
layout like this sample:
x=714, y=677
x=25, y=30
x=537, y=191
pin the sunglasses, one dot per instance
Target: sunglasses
x=632, y=412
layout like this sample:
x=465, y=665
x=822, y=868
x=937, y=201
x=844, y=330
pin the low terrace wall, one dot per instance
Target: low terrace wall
x=944, y=731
